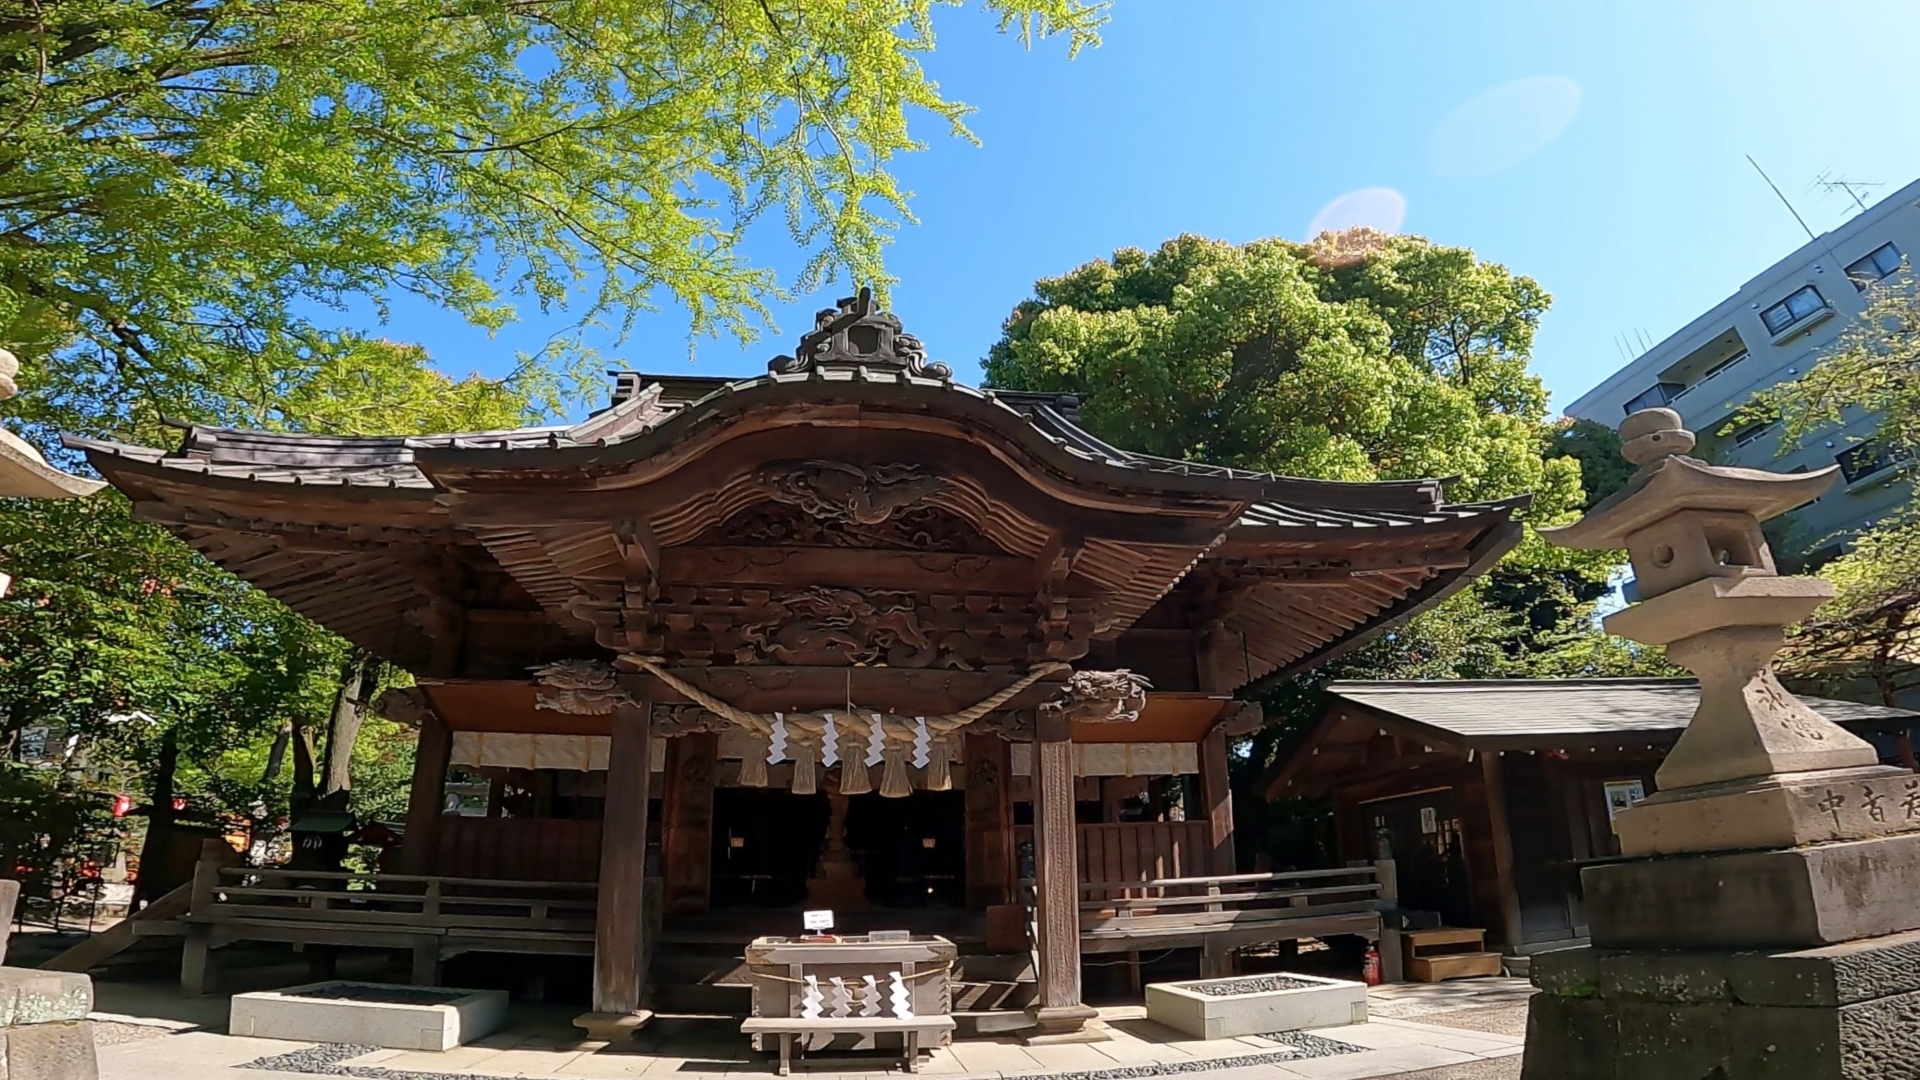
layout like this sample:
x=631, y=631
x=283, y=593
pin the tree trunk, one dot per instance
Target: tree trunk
x=153, y=881
x=277, y=754
x=302, y=798
x=349, y=710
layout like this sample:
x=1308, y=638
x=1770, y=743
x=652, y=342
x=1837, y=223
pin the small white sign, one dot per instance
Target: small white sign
x=1429, y=821
x=817, y=920
x=1622, y=794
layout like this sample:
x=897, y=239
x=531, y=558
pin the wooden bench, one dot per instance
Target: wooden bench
x=1449, y=953
x=788, y=1027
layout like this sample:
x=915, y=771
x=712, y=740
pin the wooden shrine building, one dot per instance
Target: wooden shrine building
x=770, y=605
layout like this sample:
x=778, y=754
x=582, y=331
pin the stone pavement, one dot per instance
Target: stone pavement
x=1458, y=1031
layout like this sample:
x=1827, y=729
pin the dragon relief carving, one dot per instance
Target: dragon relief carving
x=1101, y=697
x=829, y=626
x=581, y=687
x=855, y=494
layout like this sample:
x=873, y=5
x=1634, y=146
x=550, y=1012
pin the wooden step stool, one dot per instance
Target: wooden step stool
x=1449, y=953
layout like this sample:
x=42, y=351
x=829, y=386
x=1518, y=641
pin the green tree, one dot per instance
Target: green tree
x=188, y=187
x=1596, y=447
x=1359, y=356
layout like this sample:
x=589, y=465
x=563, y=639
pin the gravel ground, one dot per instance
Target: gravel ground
x=1506, y=1068
x=1235, y=987
x=1493, y=1019
x=111, y=1033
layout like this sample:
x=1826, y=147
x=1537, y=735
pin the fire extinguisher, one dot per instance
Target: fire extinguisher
x=1370, y=969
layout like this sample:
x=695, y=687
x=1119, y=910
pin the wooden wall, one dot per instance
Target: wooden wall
x=1143, y=851
x=519, y=849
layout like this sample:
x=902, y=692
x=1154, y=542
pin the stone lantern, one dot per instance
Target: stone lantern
x=1761, y=923
x=1754, y=766
x=23, y=472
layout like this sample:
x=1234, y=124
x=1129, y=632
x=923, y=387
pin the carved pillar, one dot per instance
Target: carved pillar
x=1216, y=794
x=686, y=825
x=989, y=798
x=1098, y=697
x=420, y=847
x=619, y=945
x=1058, y=1015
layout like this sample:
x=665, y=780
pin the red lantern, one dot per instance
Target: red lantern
x=179, y=803
x=122, y=805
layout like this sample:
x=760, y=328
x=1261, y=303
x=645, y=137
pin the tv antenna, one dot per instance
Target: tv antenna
x=1830, y=183
x=1782, y=196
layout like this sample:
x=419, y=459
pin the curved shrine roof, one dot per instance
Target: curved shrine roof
x=378, y=537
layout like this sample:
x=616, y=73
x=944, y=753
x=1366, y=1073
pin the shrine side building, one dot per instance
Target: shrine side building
x=847, y=604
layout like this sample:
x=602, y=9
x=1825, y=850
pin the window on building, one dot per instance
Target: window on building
x=1654, y=396
x=1868, y=458
x=1879, y=263
x=1752, y=432
x=1797, y=308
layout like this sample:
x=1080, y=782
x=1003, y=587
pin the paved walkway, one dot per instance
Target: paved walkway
x=1459, y=1031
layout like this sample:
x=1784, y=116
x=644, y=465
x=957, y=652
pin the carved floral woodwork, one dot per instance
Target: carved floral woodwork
x=673, y=720
x=1100, y=697
x=404, y=705
x=580, y=687
x=911, y=528
x=839, y=491
x=836, y=627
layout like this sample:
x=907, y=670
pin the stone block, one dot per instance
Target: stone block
x=1833, y=975
x=1796, y=898
x=1672, y=977
x=62, y=1051
x=1255, y=1005
x=1567, y=972
x=9, y=898
x=370, y=1014
x=1826, y=807
x=1664, y=1041
x=1569, y=1038
x=31, y=996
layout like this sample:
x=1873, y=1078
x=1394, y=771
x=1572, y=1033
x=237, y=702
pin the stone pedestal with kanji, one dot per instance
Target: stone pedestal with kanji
x=1759, y=926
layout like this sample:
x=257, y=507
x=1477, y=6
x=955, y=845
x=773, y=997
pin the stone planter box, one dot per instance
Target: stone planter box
x=370, y=1014
x=1256, y=1004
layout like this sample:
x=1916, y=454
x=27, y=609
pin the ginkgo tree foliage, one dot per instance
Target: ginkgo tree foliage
x=191, y=191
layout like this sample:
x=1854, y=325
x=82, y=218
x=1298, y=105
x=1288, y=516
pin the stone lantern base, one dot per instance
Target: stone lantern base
x=1843, y=1011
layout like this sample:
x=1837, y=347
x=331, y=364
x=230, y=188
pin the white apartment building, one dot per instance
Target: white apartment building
x=1771, y=331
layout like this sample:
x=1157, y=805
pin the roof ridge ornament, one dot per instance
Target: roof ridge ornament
x=855, y=334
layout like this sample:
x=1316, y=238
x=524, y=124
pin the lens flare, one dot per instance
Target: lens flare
x=1375, y=207
x=1504, y=126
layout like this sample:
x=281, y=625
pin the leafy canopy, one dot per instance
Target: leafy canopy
x=1359, y=357
x=191, y=189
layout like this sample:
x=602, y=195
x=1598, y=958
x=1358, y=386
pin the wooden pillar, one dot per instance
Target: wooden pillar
x=619, y=939
x=420, y=847
x=989, y=795
x=1502, y=847
x=1217, y=796
x=1058, y=1014
x=686, y=825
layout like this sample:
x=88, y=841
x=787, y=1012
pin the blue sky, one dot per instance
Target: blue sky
x=1626, y=192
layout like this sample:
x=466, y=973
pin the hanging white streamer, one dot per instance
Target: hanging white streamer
x=922, y=742
x=901, y=999
x=876, y=741
x=869, y=1006
x=777, y=741
x=841, y=1002
x=810, y=999
x=830, y=744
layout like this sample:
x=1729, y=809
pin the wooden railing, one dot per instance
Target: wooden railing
x=395, y=901
x=1223, y=912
